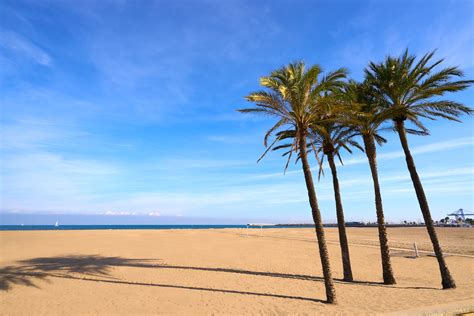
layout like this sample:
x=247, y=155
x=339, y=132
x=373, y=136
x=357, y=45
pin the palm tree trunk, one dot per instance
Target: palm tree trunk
x=346, y=260
x=371, y=153
x=447, y=280
x=318, y=223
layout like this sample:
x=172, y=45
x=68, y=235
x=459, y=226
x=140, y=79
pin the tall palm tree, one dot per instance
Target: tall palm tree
x=366, y=119
x=292, y=96
x=329, y=138
x=412, y=91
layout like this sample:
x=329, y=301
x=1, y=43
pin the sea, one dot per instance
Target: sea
x=108, y=227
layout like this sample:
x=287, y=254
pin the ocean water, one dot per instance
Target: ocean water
x=106, y=227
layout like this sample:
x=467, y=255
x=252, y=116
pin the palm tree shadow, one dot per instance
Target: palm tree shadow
x=82, y=267
x=18, y=276
x=195, y=288
x=41, y=268
x=85, y=267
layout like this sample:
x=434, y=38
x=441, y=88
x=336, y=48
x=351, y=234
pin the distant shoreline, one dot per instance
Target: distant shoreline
x=358, y=224
x=167, y=227
x=353, y=224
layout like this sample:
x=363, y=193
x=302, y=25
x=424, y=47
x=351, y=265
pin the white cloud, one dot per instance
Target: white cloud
x=16, y=43
x=129, y=213
x=169, y=163
x=37, y=172
x=422, y=149
x=120, y=213
x=361, y=159
x=233, y=139
x=37, y=176
x=425, y=174
x=454, y=40
x=29, y=134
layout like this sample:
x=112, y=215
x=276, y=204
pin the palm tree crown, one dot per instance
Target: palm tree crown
x=293, y=96
x=410, y=89
x=328, y=137
x=362, y=113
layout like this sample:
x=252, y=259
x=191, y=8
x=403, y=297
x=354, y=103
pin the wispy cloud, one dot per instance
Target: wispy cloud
x=418, y=150
x=233, y=139
x=34, y=134
x=454, y=44
x=20, y=45
x=133, y=213
x=170, y=163
x=450, y=35
x=425, y=174
x=36, y=166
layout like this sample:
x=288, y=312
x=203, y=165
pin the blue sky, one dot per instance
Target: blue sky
x=124, y=111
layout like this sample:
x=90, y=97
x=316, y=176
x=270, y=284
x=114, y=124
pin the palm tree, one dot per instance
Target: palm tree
x=328, y=138
x=411, y=91
x=365, y=119
x=292, y=96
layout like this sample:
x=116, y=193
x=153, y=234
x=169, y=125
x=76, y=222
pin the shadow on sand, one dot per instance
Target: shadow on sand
x=96, y=268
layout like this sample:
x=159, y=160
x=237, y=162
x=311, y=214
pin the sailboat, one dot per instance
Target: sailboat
x=56, y=224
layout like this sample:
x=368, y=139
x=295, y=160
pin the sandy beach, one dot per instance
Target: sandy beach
x=225, y=271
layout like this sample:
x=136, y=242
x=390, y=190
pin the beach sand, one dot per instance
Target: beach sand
x=224, y=271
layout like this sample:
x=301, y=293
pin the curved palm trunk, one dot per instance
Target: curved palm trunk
x=346, y=260
x=318, y=223
x=371, y=153
x=447, y=280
